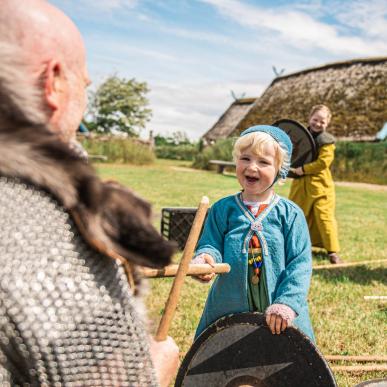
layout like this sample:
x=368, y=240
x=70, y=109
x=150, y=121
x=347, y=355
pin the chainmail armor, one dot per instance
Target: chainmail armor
x=66, y=312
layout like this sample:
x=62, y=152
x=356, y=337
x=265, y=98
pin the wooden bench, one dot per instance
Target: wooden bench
x=222, y=164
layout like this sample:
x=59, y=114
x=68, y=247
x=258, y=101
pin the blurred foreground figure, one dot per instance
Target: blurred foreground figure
x=68, y=242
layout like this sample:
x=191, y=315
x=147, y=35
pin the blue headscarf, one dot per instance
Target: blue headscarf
x=281, y=137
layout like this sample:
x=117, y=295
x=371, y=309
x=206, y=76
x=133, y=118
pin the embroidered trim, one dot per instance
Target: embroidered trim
x=286, y=312
x=256, y=222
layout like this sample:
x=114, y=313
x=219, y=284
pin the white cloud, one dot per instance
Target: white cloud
x=107, y=5
x=368, y=17
x=146, y=63
x=192, y=69
x=299, y=29
x=194, y=107
x=99, y=10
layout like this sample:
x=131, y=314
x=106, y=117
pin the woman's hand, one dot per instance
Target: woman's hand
x=298, y=171
x=205, y=258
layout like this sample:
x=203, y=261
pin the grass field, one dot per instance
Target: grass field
x=344, y=323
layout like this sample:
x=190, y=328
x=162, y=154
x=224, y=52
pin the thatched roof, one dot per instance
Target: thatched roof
x=228, y=121
x=355, y=91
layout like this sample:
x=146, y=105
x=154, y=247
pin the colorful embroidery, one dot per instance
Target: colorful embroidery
x=255, y=250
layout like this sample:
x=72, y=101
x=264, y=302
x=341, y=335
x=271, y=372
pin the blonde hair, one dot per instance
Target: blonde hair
x=321, y=107
x=258, y=143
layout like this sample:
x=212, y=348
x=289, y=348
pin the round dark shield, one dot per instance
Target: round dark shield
x=304, y=147
x=240, y=350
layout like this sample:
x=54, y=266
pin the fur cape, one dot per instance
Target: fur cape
x=325, y=138
x=111, y=218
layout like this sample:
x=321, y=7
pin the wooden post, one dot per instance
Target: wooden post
x=362, y=368
x=174, y=294
x=193, y=270
x=349, y=264
x=356, y=358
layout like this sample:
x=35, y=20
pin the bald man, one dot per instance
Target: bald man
x=68, y=242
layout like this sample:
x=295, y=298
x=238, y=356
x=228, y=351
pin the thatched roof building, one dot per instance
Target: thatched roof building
x=227, y=123
x=355, y=91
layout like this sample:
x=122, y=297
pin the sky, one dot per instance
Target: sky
x=197, y=55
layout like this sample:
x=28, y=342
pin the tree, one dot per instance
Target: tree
x=175, y=139
x=120, y=104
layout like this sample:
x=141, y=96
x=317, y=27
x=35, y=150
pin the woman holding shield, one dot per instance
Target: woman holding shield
x=314, y=192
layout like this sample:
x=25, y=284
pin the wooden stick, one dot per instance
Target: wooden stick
x=348, y=264
x=376, y=298
x=356, y=358
x=189, y=248
x=198, y=269
x=363, y=368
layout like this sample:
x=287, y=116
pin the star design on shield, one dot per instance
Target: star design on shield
x=233, y=364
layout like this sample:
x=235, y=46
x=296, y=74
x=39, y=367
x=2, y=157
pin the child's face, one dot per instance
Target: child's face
x=256, y=173
x=318, y=122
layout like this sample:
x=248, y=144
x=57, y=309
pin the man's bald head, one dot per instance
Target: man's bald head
x=41, y=29
x=53, y=55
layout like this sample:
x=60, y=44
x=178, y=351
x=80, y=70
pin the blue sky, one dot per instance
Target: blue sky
x=192, y=53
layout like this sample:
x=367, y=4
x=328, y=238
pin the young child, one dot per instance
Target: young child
x=262, y=236
x=314, y=192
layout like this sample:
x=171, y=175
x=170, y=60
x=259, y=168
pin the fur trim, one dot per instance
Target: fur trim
x=199, y=259
x=112, y=219
x=286, y=312
x=325, y=138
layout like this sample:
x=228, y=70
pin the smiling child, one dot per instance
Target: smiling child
x=262, y=236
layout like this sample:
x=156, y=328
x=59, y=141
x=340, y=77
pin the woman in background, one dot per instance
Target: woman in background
x=314, y=191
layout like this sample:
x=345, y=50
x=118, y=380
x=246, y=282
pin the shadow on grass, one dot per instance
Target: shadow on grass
x=363, y=275
x=320, y=257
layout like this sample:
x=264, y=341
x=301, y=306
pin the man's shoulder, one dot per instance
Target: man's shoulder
x=32, y=222
x=25, y=199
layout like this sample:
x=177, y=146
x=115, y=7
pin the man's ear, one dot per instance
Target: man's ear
x=53, y=84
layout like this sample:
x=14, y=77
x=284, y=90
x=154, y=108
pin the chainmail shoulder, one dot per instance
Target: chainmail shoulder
x=66, y=312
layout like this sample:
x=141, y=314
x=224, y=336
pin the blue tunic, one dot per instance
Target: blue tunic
x=284, y=238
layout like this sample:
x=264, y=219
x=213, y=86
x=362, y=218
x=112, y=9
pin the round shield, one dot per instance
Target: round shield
x=304, y=147
x=240, y=350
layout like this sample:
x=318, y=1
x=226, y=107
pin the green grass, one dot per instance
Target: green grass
x=119, y=150
x=344, y=323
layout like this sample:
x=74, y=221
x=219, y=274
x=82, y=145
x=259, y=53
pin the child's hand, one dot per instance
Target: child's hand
x=276, y=323
x=279, y=317
x=205, y=258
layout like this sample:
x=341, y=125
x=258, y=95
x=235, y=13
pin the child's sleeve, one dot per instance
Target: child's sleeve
x=211, y=241
x=295, y=279
x=325, y=158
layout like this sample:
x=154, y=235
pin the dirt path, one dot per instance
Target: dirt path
x=184, y=169
x=373, y=187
